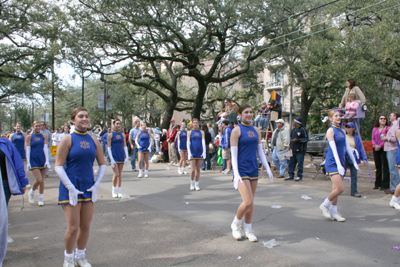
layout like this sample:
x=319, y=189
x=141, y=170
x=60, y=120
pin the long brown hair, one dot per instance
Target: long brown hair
x=352, y=82
x=377, y=124
x=76, y=111
x=243, y=107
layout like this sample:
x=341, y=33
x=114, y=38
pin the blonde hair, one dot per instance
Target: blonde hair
x=195, y=119
x=35, y=122
x=143, y=122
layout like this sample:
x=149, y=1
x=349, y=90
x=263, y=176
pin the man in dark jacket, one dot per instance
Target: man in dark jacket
x=298, y=145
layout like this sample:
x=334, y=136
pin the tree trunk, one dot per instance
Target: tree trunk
x=169, y=111
x=305, y=106
x=198, y=103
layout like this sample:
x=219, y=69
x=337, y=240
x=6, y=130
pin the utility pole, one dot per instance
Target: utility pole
x=105, y=102
x=291, y=104
x=83, y=89
x=52, y=98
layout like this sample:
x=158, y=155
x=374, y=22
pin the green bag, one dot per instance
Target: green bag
x=219, y=156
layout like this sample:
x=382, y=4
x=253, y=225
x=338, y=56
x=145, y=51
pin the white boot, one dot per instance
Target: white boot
x=140, y=173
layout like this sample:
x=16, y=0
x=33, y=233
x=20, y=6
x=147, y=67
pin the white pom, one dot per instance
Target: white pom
x=325, y=119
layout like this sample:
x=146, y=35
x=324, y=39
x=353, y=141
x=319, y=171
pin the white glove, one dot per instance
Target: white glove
x=151, y=144
x=28, y=158
x=179, y=145
x=188, y=149
x=340, y=168
x=264, y=161
x=111, y=157
x=46, y=156
x=126, y=156
x=350, y=152
x=73, y=192
x=203, y=143
x=95, y=186
x=137, y=143
x=234, y=159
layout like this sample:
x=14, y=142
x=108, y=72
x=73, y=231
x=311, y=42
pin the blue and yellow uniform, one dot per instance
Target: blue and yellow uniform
x=37, y=158
x=144, y=141
x=117, y=150
x=79, y=167
x=340, y=141
x=18, y=141
x=196, y=147
x=183, y=141
x=398, y=154
x=247, y=152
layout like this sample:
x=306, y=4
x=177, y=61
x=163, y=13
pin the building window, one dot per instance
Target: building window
x=277, y=78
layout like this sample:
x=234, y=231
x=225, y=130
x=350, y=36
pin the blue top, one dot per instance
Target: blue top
x=360, y=150
x=18, y=141
x=105, y=138
x=79, y=167
x=144, y=141
x=226, y=138
x=340, y=141
x=183, y=141
x=117, y=150
x=398, y=153
x=37, y=158
x=196, y=147
x=247, y=152
x=15, y=167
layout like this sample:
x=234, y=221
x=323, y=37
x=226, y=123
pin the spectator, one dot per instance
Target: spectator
x=13, y=179
x=262, y=116
x=390, y=147
x=208, y=140
x=164, y=145
x=103, y=145
x=280, y=142
x=298, y=145
x=54, y=138
x=235, y=107
x=132, y=136
x=211, y=131
x=171, y=135
x=352, y=88
x=351, y=106
x=226, y=146
x=382, y=174
x=357, y=146
x=275, y=106
x=105, y=139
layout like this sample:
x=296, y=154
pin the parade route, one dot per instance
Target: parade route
x=165, y=224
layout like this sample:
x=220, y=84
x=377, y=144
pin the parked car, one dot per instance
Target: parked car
x=316, y=144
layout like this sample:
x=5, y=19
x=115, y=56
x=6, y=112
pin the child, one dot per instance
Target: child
x=225, y=115
x=262, y=116
x=351, y=106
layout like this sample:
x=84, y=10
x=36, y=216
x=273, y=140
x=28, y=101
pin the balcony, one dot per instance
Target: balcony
x=274, y=85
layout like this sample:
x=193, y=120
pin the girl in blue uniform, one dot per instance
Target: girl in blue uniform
x=395, y=201
x=78, y=189
x=182, y=148
x=245, y=146
x=18, y=139
x=144, y=143
x=38, y=160
x=196, y=146
x=118, y=154
x=334, y=162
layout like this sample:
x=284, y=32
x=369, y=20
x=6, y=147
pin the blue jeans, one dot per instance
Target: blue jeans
x=280, y=164
x=133, y=159
x=158, y=146
x=7, y=191
x=273, y=125
x=224, y=165
x=299, y=160
x=261, y=122
x=394, y=171
x=208, y=159
x=353, y=173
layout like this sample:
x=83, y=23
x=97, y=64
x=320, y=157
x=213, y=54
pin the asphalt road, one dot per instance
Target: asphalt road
x=166, y=224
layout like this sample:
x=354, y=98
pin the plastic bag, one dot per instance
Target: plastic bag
x=270, y=244
x=219, y=156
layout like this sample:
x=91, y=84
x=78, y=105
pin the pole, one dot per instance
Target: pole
x=52, y=98
x=83, y=89
x=291, y=105
x=33, y=114
x=105, y=102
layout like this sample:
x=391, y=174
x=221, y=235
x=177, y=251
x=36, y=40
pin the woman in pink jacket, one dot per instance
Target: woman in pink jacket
x=382, y=174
